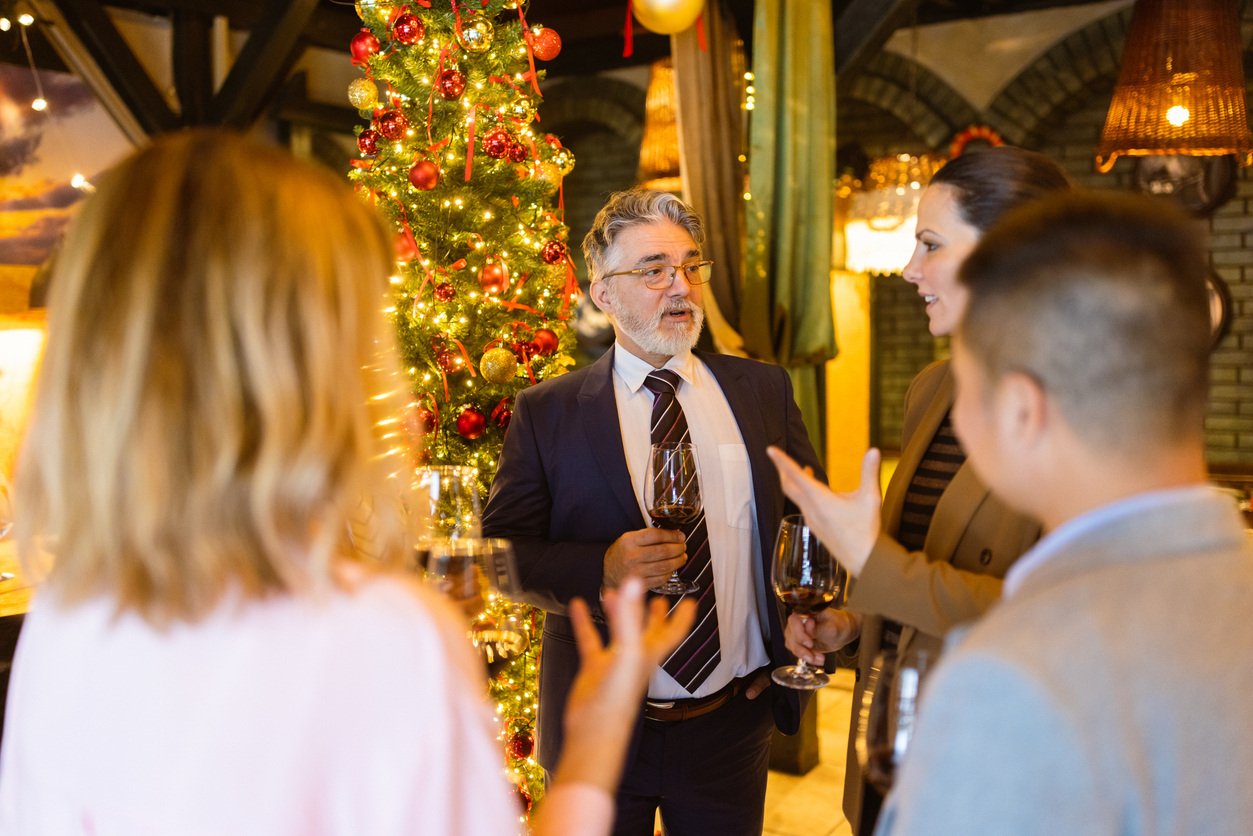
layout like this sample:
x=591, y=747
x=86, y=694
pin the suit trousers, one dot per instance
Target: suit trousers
x=706, y=774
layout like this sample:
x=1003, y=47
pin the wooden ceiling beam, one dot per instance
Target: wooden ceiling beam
x=272, y=49
x=192, y=61
x=863, y=27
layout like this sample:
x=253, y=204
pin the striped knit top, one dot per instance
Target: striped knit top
x=938, y=466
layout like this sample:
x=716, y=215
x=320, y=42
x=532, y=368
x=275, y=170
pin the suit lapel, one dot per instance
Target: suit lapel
x=598, y=407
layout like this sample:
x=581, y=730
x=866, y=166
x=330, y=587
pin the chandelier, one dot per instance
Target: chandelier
x=881, y=211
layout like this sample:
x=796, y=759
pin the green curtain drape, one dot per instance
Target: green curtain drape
x=786, y=301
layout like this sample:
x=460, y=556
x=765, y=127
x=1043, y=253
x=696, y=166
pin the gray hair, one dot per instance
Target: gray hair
x=631, y=208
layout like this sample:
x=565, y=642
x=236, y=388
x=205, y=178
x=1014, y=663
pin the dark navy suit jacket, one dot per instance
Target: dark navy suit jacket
x=563, y=494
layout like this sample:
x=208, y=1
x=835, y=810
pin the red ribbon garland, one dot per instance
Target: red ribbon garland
x=530, y=54
x=628, y=37
x=571, y=291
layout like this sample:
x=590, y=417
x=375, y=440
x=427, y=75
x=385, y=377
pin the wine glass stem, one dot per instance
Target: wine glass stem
x=802, y=669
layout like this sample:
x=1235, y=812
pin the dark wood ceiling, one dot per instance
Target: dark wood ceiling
x=280, y=30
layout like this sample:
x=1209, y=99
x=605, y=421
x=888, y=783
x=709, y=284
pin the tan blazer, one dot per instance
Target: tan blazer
x=972, y=541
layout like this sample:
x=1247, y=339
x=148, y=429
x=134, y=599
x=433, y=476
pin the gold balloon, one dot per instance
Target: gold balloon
x=477, y=35
x=666, y=17
x=498, y=365
x=363, y=94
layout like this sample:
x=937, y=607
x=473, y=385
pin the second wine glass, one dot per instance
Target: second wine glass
x=807, y=580
x=672, y=494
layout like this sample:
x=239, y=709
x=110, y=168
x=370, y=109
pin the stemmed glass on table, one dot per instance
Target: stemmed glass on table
x=672, y=494
x=807, y=580
x=889, y=711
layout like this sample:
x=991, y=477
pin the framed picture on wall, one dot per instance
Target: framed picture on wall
x=1199, y=184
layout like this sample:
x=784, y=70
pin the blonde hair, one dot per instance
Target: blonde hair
x=213, y=408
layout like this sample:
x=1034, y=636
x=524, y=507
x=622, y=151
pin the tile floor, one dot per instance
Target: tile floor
x=809, y=804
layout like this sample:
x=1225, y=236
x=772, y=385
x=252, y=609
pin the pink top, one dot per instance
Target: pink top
x=355, y=712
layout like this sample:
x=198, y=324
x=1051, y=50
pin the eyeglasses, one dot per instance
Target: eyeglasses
x=661, y=276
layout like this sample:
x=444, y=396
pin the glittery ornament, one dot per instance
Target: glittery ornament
x=496, y=142
x=498, y=365
x=563, y=158
x=426, y=419
x=408, y=29
x=502, y=416
x=546, y=44
x=494, y=277
x=444, y=291
x=368, y=142
x=450, y=84
x=522, y=108
x=424, y=175
x=547, y=172
x=392, y=124
x=521, y=744
x=544, y=342
x=362, y=94
x=523, y=350
x=476, y=36
x=553, y=252
x=362, y=46
x=471, y=423
x=517, y=152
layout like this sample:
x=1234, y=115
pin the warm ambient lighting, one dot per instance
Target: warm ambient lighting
x=659, y=150
x=881, y=212
x=21, y=344
x=1181, y=86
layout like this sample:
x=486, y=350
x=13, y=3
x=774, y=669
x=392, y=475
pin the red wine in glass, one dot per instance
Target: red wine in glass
x=807, y=579
x=672, y=493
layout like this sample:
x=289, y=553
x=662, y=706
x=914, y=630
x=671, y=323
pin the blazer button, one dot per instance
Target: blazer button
x=985, y=557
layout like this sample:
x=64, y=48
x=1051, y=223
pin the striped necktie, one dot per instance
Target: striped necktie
x=695, y=658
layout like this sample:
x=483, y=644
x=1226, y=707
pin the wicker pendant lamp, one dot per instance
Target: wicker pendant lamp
x=1181, y=87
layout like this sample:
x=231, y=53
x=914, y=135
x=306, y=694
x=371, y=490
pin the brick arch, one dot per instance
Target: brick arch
x=935, y=112
x=609, y=102
x=1056, y=82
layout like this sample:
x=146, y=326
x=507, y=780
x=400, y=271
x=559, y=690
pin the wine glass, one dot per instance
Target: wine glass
x=447, y=498
x=889, y=712
x=474, y=572
x=807, y=579
x=672, y=493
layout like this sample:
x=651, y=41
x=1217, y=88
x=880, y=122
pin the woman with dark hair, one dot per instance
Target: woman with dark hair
x=933, y=554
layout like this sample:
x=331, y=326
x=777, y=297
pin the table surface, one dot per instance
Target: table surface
x=14, y=592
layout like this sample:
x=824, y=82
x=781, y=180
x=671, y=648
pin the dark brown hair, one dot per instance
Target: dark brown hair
x=992, y=181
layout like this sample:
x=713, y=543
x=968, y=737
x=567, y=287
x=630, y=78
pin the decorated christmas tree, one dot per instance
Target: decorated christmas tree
x=453, y=155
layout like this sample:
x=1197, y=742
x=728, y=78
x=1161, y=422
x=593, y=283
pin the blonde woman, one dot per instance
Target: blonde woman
x=210, y=651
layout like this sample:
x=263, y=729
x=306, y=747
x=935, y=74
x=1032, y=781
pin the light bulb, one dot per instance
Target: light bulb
x=1177, y=115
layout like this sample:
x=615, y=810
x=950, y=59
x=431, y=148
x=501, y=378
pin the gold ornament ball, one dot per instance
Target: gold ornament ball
x=667, y=17
x=563, y=158
x=498, y=365
x=476, y=35
x=363, y=94
x=522, y=108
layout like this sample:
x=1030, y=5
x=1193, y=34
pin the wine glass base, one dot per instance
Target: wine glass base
x=806, y=679
x=676, y=586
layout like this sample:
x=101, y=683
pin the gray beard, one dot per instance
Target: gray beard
x=650, y=335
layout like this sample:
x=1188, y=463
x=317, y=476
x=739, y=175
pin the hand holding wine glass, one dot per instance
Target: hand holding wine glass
x=807, y=579
x=672, y=493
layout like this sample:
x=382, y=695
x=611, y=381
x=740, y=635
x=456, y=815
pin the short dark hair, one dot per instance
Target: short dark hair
x=1106, y=307
x=990, y=182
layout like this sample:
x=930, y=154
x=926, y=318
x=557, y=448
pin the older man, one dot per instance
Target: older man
x=569, y=493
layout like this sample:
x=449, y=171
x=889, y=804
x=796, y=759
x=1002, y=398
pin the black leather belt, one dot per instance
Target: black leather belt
x=672, y=711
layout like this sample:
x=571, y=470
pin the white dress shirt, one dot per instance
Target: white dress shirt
x=727, y=496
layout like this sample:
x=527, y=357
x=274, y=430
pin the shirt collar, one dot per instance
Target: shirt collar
x=633, y=370
x=1074, y=529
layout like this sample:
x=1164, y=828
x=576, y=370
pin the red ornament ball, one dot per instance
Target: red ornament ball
x=444, y=291
x=450, y=84
x=553, y=252
x=362, y=46
x=424, y=175
x=368, y=142
x=406, y=248
x=517, y=153
x=502, y=416
x=544, y=342
x=450, y=361
x=521, y=745
x=408, y=29
x=392, y=124
x=426, y=420
x=523, y=350
x=471, y=423
x=496, y=142
x=494, y=277
x=546, y=44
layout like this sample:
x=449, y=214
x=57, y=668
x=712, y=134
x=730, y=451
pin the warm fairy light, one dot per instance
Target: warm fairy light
x=40, y=104
x=25, y=19
x=5, y=24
